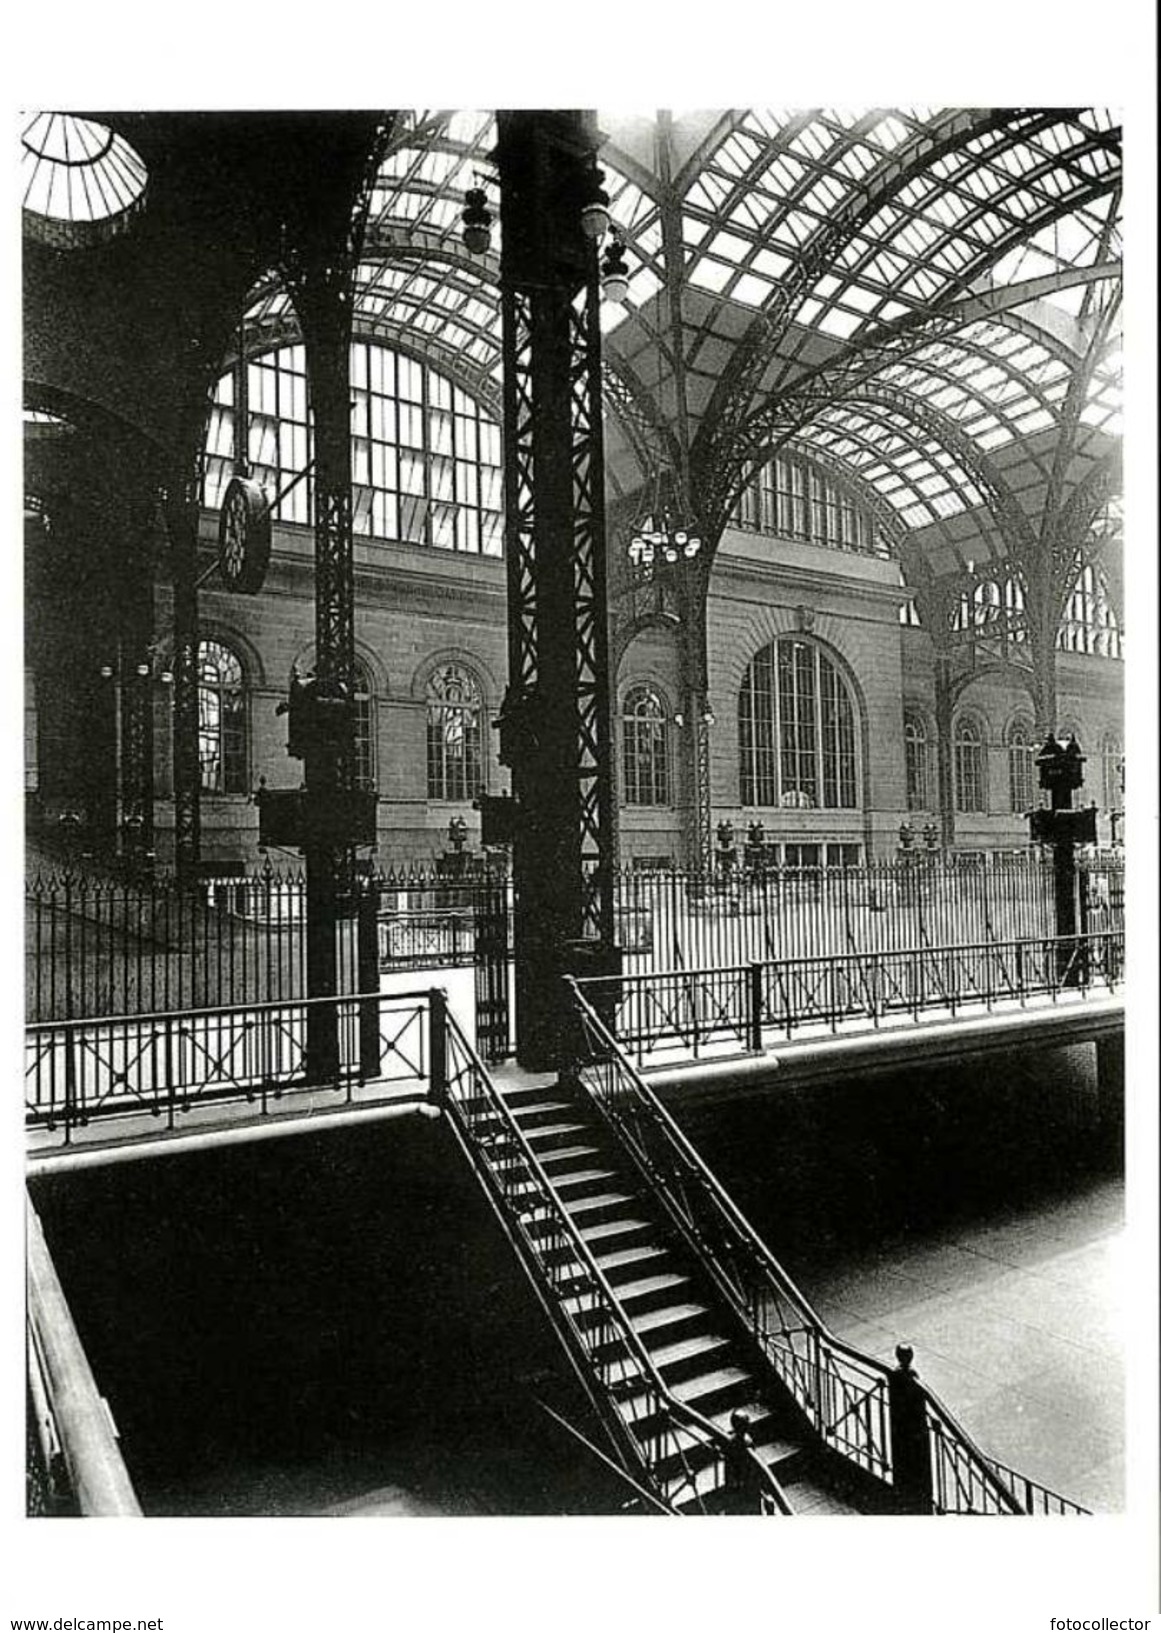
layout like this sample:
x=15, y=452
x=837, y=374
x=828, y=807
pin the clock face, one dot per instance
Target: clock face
x=244, y=536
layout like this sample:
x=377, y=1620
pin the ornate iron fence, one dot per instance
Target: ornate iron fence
x=746, y=1006
x=126, y=1077
x=104, y=946
x=690, y=920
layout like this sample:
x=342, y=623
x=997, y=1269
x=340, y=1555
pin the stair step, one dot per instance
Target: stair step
x=571, y=1179
x=710, y=1386
x=610, y=1229
x=568, y=1153
x=603, y=1201
x=612, y=1263
x=818, y=1499
x=528, y=1116
x=640, y=1295
x=690, y=1357
x=657, y=1321
x=546, y=1133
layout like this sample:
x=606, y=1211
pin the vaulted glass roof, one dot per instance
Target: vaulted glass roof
x=919, y=286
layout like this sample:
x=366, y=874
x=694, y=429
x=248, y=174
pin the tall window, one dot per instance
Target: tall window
x=796, y=501
x=969, y=767
x=1089, y=623
x=915, y=761
x=221, y=720
x=425, y=457
x=1021, y=767
x=454, y=734
x=796, y=728
x=1113, y=774
x=645, y=748
x=364, y=730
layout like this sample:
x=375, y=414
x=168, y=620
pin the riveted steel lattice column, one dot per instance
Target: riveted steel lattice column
x=181, y=516
x=136, y=770
x=322, y=295
x=555, y=725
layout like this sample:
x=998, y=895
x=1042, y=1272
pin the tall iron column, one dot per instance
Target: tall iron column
x=323, y=299
x=136, y=656
x=181, y=515
x=555, y=726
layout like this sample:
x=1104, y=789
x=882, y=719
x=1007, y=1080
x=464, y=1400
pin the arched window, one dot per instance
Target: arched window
x=915, y=761
x=425, y=456
x=1113, y=774
x=645, y=748
x=221, y=720
x=969, y=767
x=796, y=730
x=454, y=734
x=364, y=729
x=1089, y=623
x=1021, y=767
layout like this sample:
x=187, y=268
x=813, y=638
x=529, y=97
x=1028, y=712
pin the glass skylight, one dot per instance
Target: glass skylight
x=81, y=180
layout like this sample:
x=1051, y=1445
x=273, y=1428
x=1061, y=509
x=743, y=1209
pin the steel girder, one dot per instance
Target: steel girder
x=555, y=724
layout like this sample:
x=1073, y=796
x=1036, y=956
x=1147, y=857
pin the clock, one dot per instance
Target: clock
x=244, y=536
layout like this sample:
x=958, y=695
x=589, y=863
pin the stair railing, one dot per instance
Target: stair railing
x=653, y=1430
x=78, y=1467
x=850, y=1398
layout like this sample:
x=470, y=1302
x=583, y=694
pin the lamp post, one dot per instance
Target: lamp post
x=1061, y=771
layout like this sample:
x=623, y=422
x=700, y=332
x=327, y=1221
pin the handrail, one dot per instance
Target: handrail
x=96, y=1471
x=84, y=1023
x=739, y=1001
x=595, y=1283
x=806, y=1356
x=871, y=955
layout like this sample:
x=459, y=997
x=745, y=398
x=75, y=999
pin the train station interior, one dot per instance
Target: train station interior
x=574, y=716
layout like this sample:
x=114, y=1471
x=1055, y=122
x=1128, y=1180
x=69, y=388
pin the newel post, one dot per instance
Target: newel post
x=910, y=1443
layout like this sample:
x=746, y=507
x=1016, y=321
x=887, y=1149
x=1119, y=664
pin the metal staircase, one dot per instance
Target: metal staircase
x=720, y=1388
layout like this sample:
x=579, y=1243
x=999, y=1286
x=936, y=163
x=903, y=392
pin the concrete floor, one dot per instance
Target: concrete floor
x=1017, y=1324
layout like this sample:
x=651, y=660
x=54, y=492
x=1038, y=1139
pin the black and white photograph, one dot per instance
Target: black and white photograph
x=584, y=833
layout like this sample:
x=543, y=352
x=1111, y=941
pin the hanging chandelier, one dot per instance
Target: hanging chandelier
x=664, y=539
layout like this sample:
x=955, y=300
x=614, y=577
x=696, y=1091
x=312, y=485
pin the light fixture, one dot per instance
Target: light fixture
x=106, y=671
x=477, y=221
x=142, y=670
x=615, y=271
x=595, y=210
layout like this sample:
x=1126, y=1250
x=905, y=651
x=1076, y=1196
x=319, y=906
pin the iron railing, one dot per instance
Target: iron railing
x=678, y=919
x=682, y=1458
x=849, y=1398
x=746, y=1006
x=100, y=945
x=97, y=945
x=125, y=1077
x=75, y=1465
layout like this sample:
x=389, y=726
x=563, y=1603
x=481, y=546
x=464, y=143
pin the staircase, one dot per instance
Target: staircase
x=671, y=1309
x=720, y=1388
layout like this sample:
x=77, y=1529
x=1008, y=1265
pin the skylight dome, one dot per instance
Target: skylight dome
x=82, y=182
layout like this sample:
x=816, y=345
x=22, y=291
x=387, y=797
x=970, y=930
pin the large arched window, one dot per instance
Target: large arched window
x=915, y=762
x=796, y=730
x=970, y=790
x=425, y=457
x=221, y=720
x=454, y=734
x=1021, y=767
x=645, y=748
